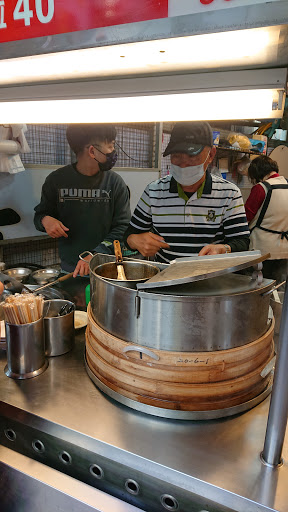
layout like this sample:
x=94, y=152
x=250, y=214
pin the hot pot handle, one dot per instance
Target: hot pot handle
x=273, y=289
x=81, y=257
x=144, y=350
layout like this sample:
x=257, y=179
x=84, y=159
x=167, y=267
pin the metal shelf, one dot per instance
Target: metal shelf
x=235, y=150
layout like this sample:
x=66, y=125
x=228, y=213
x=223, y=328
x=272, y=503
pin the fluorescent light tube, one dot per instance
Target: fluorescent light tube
x=216, y=105
x=206, y=51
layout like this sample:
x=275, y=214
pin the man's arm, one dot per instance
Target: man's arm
x=47, y=205
x=236, y=230
x=240, y=244
x=137, y=235
x=45, y=218
x=141, y=221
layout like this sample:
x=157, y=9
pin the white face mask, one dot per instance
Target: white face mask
x=188, y=175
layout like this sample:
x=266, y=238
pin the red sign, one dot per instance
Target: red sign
x=25, y=19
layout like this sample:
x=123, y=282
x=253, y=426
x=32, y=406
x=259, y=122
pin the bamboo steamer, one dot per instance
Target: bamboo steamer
x=188, y=381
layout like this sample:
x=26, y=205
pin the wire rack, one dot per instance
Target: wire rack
x=138, y=142
x=39, y=252
x=49, y=145
x=165, y=161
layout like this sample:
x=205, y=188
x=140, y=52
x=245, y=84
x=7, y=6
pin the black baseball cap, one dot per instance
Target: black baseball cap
x=189, y=137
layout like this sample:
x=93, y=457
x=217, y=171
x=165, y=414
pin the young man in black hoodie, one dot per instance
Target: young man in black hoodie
x=85, y=205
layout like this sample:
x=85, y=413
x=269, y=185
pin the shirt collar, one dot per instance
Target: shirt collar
x=206, y=190
x=208, y=184
x=173, y=186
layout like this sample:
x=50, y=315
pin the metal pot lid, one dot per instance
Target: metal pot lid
x=230, y=284
x=197, y=268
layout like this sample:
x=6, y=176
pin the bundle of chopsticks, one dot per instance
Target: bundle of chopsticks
x=23, y=308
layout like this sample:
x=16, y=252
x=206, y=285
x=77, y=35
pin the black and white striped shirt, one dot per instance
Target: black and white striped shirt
x=213, y=214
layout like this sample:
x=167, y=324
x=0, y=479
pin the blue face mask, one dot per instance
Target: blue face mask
x=111, y=159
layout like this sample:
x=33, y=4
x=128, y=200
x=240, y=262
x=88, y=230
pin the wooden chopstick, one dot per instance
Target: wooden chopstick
x=23, y=308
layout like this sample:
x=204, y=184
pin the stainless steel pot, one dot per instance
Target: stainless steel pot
x=214, y=314
x=135, y=271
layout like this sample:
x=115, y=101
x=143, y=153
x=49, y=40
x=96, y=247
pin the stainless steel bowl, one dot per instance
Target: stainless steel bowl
x=19, y=273
x=45, y=275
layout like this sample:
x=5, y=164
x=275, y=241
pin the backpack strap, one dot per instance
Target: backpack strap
x=265, y=204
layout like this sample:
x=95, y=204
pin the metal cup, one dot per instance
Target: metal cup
x=59, y=330
x=25, y=350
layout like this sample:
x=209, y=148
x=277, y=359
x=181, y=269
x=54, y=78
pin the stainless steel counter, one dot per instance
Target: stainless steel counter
x=26, y=484
x=212, y=465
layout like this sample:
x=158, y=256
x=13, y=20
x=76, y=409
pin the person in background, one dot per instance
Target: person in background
x=189, y=211
x=267, y=213
x=85, y=205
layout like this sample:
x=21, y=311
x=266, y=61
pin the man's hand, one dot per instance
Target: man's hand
x=212, y=249
x=147, y=243
x=82, y=268
x=54, y=227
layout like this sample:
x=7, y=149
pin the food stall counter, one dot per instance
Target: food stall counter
x=61, y=420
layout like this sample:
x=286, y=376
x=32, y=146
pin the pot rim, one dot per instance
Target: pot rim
x=202, y=298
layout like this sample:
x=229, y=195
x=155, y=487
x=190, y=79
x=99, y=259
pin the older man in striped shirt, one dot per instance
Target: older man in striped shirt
x=189, y=211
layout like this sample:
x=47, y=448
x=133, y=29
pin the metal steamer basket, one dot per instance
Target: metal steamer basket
x=184, y=314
